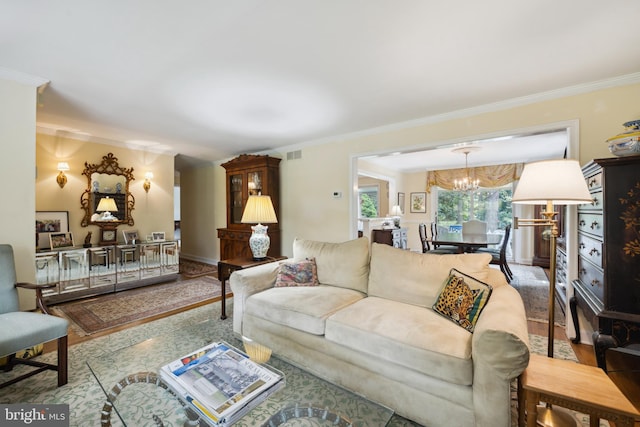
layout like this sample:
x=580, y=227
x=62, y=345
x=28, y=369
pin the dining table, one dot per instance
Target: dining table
x=466, y=242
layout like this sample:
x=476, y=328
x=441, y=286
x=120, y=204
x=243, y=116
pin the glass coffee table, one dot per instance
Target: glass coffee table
x=135, y=396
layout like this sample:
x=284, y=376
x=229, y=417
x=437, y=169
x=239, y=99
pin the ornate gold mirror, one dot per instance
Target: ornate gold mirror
x=106, y=201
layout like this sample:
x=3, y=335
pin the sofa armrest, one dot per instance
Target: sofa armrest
x=247, y=282
x=500, y=352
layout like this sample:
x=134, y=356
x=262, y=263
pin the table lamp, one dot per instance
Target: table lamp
x=259, y=209
x=106, y=206
x=396, y=213
x=545, y=183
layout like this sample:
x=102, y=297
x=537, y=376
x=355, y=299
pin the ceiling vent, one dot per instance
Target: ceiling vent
x=294, y=155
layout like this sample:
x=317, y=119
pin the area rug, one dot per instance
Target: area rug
x=533, y=285
x=86, y=399
x=108, y=311
x=190, y=268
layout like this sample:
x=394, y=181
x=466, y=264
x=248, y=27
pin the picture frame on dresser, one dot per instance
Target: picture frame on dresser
x=61, y=240
x=48, y=222
x=158, y=236
x=130, y=236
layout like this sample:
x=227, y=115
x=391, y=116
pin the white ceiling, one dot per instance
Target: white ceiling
x=515, y=148
x=210, y=79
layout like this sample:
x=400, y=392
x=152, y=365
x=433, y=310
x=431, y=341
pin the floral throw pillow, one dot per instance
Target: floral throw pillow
x=298, y=273
x=462, y=299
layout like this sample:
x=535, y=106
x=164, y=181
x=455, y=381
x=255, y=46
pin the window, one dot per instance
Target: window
x=368, y=197
x=492, y=205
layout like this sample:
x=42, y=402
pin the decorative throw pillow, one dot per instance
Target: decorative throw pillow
x=462, y=299
x=298, y=273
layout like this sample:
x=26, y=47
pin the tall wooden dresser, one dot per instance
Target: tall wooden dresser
x=248, y=175
x=608, y=285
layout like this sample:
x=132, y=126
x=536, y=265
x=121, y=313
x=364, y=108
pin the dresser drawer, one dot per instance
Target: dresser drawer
x=594, y=181
x=590, y=249
x=596, y=202
x=590, y=223
x=591, y=277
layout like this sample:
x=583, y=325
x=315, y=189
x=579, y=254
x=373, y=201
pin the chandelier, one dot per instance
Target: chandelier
x=466, y=184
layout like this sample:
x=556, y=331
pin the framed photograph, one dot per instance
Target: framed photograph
x=401, y=202
x=130, y=236
x=418, y=202
x=61, y=240
x=48, y=222
x=158, y=236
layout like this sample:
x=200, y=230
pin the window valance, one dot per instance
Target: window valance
x=489, y=176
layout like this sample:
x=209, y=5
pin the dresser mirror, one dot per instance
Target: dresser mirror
x=106, y=201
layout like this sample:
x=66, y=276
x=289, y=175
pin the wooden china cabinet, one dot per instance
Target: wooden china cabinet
x=248, y=175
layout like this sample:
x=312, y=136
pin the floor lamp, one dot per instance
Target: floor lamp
x=545, y=183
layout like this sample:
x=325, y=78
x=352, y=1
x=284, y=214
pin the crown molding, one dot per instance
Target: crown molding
x=627, y=79
x=23, y=78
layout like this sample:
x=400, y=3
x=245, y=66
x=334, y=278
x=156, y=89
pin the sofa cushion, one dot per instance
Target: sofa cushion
x=303, y=307
x=462, y=299
x=343, y=264
x=415, y=337
x=297, y=273
x=417, y=278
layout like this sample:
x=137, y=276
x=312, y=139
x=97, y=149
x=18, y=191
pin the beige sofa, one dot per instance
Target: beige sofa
x=370, y=327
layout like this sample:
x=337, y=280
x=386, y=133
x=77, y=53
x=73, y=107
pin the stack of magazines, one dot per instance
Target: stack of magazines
x=220, y=382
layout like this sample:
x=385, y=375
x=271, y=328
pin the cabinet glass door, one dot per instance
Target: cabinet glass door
x=235, y=197
x=254, y=183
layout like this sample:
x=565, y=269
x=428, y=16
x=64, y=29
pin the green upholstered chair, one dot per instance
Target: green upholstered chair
x=23, y=329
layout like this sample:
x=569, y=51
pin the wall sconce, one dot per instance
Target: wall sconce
x=147, y=181
x=62, y=178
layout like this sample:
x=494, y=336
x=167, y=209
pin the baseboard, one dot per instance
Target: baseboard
x=198, y=258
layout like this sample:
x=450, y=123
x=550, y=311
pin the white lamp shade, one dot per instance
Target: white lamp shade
x=259, y=210
x=63, y=166
x=395, y=211
x=107, y=204
x=558, y=181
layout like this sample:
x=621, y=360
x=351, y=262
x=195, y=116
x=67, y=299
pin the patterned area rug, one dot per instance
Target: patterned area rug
x=190, y=268
x=533, y=285
x=108, y=311
x=86, y=399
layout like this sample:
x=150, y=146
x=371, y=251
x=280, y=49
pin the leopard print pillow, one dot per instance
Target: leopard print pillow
x=462, y=299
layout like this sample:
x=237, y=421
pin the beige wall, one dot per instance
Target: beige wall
x=200, y=213
x=308, y=209
x=17, y=171
x=153, y=211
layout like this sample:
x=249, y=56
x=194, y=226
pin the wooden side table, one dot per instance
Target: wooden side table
x=570, y=385
x=228, y=266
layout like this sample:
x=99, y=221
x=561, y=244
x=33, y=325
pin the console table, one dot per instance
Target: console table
x=79, y=272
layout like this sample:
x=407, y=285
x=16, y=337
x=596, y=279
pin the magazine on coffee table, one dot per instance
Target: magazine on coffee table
x=221, y=382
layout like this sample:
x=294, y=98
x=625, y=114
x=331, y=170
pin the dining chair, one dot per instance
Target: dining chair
x=21, y=330
x=474, y=226
x=499, y=255
x=426, y=247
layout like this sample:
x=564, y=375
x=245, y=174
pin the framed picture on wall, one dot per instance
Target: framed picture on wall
x=418, y=202
x=401, y=202
x=48, y=222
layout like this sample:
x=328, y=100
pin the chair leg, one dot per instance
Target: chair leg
x=63, y=372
